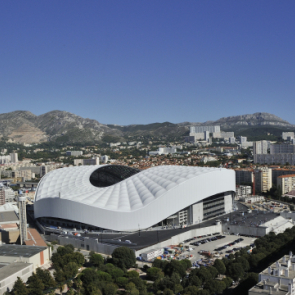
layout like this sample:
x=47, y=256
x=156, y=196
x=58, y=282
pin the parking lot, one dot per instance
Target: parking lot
x=211, y=246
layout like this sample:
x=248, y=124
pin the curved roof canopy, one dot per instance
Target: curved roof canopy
x=122, y=198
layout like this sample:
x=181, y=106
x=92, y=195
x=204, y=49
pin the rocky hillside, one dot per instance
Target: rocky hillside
x=65, y=127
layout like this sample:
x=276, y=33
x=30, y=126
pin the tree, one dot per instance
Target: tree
x=219, y=265
x=19, y=288
x=203, y=292
x=175, y=266
x=46, y=278
x=104, y=276
x=123, y=257
x=59, y=276
x=213, y=271
x=35, y=285
x=121, y=282
x=110, y=289
x=132, y=274
x=154, y=273
x=70, y=270
x=96, y=259
x=235, y=270
x=192, y=290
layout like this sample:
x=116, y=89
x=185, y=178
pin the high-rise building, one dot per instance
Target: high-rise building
x=104, y=159
x=201, y=129
x=286, y=183
x=14, y=157
x=2, y=194
x=282, y=149
x=260, y=147
x=74, y=153
x=22, y=219
x=285, y=135
x=263, y=179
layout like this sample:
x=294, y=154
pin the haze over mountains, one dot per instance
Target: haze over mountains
x=61, y=126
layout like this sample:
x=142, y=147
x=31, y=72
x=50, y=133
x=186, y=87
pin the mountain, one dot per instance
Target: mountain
x=65, y=127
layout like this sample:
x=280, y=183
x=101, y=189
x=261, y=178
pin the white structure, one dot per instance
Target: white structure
x=74, y=153
x=92, y=161
x=286, y=182
x=242, y=139
x=14, y=157
x=285, y=135
x=104, y=159
x=122, y=198
x=201, y=129
x=243, y=191
x=282, y=149
x=232, y=140
x=164, y=151
x=260, y=147
x=273, y=159
x=22, y=219
x=277, y=279
x=263, y=179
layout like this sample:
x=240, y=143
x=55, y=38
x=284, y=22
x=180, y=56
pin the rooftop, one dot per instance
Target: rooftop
x=20, y=250
x=8, y=270
x=9, y=216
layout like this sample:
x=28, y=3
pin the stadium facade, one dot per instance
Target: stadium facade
x=122, y=198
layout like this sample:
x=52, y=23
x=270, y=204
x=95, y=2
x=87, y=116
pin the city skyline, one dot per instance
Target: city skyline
x=144, y=62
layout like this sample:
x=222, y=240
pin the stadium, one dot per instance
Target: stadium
x=121, y=198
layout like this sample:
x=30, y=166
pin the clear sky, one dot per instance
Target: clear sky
x=144, y=61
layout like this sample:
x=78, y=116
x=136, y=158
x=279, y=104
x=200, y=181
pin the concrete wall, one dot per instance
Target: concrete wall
x=175, y=240
x=228, y=202
x=24, y=274
x=197, y=212
x=245, y=230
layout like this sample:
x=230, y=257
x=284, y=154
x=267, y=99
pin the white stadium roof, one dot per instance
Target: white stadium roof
x=144, y=198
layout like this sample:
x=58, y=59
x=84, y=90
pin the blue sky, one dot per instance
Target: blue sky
x=138, y=62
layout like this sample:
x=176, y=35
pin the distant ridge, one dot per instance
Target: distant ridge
x=65, y=127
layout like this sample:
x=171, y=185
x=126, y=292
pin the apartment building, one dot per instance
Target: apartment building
x=270, y=159
x=92, y=161
x=260, y=147
x=244, y=176
x=285, y=135
x=278, y=172
x=286, y=183
x=282, y=148
x=277, y=279
x=263, y=179
x=74, y=153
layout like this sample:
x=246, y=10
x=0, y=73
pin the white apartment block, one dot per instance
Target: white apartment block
x=263, y=179
x=14, y=157
x=272, y=159
x=277, y=279
x=286, y=182
x=282, y=149
x=243, y=191
x=285, y=135
x=164, y=151
x=104, y=159
x=201, y=129
x=260, y=147
x=232, y=140
x=92, y=161
x=242, y=139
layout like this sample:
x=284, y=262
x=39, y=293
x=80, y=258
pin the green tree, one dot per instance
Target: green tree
x=35, y=285
x=59, y=276
x=154, y=273
x=70, y=270
x=123, y=257
x=219, y=265
x=104, y=276
x=96, y=259
x=203, y=292
x=121, y=282
x=132, y=274
x=116, y=272
x=46, y=278
x=110, y=289
x=19, y=288
x=191, y=290
x=235, y=270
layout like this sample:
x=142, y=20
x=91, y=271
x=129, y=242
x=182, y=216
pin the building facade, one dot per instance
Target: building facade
x=286, y=183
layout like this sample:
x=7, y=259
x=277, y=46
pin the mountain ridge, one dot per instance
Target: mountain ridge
x=24, y=126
